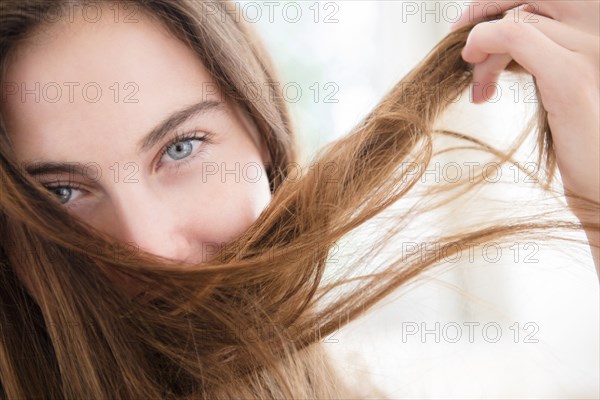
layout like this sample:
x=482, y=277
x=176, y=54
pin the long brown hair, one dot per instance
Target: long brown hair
x=249, y=322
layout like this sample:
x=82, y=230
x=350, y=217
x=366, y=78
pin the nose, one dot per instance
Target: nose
x=151, y=223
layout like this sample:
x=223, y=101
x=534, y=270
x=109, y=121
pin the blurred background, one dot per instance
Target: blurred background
x=534, y=321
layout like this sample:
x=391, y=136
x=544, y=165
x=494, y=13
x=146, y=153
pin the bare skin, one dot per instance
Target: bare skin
x=173, y=199
x=558, y=42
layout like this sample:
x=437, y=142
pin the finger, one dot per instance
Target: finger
x=489, y=66
x=583, y=14
x=481, y=9
x=527, y=45
x=559, y=32
x=512, y=26
x=486, y=74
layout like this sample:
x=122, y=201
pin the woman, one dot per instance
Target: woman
x=192, y=232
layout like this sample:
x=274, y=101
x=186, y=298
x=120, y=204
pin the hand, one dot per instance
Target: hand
x=558, y=42
x=562, y=51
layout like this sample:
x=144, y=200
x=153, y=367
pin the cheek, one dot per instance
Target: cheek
x=223, y=206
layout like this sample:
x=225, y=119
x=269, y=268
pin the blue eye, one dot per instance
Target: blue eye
x=62, y=196
x=64, y=192
x=180, y=150
x=182, y=147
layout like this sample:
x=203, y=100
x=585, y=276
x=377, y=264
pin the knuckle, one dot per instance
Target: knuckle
x=477, y=31
x=511, y=31
x=568, y=86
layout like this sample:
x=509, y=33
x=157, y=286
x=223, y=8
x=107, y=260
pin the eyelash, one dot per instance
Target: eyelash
x=182, y=137
x=206, y=138
x=67, y=185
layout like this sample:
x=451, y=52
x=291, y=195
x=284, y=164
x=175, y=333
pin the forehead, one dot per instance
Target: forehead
x=105, y=50
x=99, y=78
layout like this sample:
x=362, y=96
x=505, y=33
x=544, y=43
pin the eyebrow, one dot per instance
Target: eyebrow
x=156, y=134
x=176, y=119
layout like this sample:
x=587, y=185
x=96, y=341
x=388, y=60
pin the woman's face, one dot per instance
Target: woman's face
x=129, y=115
